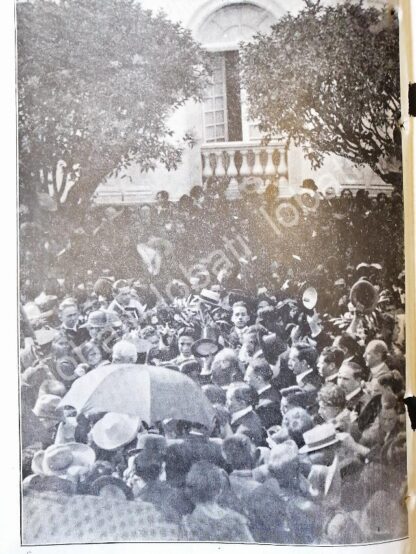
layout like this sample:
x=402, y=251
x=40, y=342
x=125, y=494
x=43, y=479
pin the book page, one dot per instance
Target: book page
x=215, y=276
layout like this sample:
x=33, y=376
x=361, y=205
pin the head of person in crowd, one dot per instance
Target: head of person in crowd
x=388, y=416
x=124, y=352
x=192, y=369
x=240, y=316
x=349, y=377
x=239, y=452
x=197, y=194
x=61, y=345
x=96, y=325
x=225, y=368
x=284, y=464
x=64, y=369
x=322, y=444
x=258, y=374
x=122, y=292
x=332, y=401
x=302, y=357
x=240, y=396
x=250, y=341
x=178, y=462
x=293, y=397
x=329, y=362
x=296, y=422
x=162, y=198
x=69, y=313
x=185, y=341
x=348, y=345
x=91, y=354
x=203, y=483
x=392, y=382
x=375, y=353
x=215, y=394
x=148, y=466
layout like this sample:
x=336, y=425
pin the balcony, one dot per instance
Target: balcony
x=237, y=161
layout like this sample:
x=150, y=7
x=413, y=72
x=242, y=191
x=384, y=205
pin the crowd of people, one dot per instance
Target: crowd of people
x=287, y=314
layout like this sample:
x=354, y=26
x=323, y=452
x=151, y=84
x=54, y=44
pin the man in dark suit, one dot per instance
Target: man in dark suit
x=349, y=379
x=240, y=400
x=302, y=361
x=259, y=375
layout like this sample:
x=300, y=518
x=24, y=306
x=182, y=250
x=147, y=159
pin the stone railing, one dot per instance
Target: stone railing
x=238, y=161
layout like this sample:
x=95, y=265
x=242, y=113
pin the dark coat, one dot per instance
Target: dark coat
x=268, y=407
x=250, y=424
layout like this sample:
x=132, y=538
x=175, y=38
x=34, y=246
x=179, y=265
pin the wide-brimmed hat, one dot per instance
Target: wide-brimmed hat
x=96, y=319
x=203, y=348
x=319, y=437
x=115, y=430
x=45, y=336
x=47, y=407
x=63, y=459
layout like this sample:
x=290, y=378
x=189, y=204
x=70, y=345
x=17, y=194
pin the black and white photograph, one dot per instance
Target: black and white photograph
x=211, y=272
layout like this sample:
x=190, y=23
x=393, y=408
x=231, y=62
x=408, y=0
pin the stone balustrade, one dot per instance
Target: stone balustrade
x=239, y=160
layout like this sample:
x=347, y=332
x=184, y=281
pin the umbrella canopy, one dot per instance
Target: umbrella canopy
x=149, y=392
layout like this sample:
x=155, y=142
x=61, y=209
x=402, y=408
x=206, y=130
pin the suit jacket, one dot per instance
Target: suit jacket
x=250, y=424
x=76, y=336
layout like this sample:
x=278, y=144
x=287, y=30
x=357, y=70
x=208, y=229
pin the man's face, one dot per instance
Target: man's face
x=123, y=297
x=250, y=343
x=294, y=363
x=94, y=356
x=346, y=379
x=240, y=317
x=184, y=345
x=372, y=357
x=70, y=316
x=232, y=404
x=252, y=379
x=325, y=369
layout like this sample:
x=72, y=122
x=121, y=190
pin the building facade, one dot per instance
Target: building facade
x=228, y=144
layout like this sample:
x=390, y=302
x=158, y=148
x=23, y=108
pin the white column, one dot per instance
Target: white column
x=257, y=167
x=270, y=169
x=282, y=167
x=245, y=168
x=219, y=169
x=232, y=189
x=207, y=171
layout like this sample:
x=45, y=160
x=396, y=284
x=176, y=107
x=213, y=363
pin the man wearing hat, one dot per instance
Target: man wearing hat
x=70, y=322
x=124, y=305
x=240, y=400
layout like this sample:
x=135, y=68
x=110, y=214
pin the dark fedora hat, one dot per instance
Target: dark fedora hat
x=309, y=184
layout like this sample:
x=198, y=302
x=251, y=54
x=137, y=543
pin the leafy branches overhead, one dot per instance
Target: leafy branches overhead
x=328, y=78
x=97, y=81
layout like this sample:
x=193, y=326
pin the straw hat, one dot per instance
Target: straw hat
x=319, y=437
x=63, y=460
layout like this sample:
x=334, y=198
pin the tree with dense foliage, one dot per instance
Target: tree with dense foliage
x=328, y=78
x=97, y=82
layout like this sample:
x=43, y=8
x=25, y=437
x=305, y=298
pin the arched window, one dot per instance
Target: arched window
x=221, y=33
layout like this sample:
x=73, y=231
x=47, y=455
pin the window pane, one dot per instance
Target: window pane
x=210, y=133
x=219, y=117
x=209, y=104
x=219, y=103
x=209, y=118
x=219, y=89
x=220, y=131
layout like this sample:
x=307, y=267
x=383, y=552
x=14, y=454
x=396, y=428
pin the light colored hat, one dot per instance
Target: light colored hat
x=319, y=437
x=115, y=430
x=96, y=319
x=210, y=296
x=64, y=459
x=45, y=336
x=47, y=406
